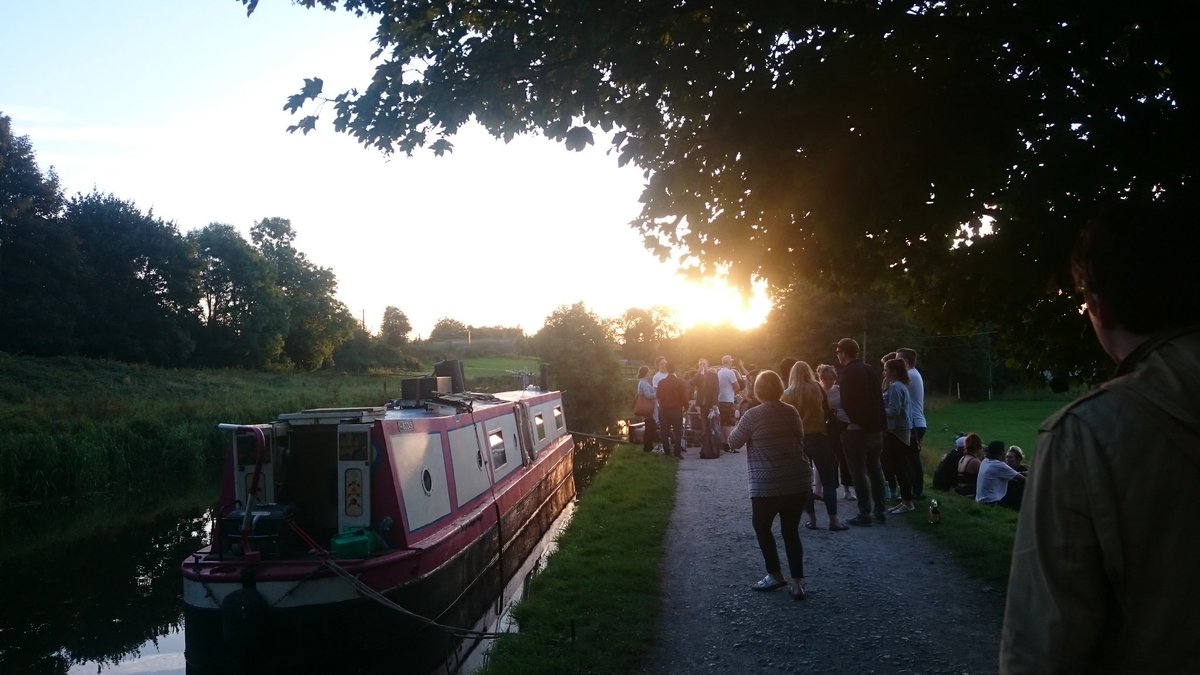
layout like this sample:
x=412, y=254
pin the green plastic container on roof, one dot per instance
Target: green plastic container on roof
x=355, y=543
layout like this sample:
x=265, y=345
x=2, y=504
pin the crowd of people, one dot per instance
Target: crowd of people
x=807, y=431
x=994, y=475
x=1099, y=580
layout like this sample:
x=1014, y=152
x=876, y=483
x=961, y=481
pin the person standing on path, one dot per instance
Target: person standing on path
x=672, y=399
x=896, y=439
x=780, y=480
x=862, y=440
x=1104, y=566
x=835, y=424
x=916, y=400
x=704, y=397
x=660, y=373
x=804, y=394
x=729, y=385
x=645, y=390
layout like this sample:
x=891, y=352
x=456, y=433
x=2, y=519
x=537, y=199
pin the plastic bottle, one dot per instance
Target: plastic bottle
x=935, y=514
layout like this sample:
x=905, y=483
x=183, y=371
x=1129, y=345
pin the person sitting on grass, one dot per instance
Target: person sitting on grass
x=998, y=482
x=1016, y=459
x=945, y=476
x=968, y=465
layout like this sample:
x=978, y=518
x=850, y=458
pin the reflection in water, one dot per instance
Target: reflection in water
x=101, y=601
x=111, y=602
x=591, y=454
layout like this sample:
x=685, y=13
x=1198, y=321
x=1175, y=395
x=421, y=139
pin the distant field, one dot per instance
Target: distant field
x=498, y=366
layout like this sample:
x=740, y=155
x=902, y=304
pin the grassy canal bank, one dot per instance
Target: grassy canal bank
x=597, y=601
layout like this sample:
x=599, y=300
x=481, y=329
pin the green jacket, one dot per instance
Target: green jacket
x=1106, y=562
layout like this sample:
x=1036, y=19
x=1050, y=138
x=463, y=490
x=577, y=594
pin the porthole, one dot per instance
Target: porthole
x=427, y=481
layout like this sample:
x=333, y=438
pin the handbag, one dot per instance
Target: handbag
x=643, y=406
x=834, y=426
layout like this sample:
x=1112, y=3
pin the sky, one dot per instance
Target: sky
x=177, y=106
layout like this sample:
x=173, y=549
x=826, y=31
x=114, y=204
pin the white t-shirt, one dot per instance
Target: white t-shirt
x=992, y=483
x=726, y=381
x=659, y=376
x=916, y=398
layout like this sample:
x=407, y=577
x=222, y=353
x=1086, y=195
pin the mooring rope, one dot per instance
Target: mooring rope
x=382, y=599
x=615, y=439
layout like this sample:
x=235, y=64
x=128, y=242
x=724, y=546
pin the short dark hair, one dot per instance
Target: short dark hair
x=670, y=367
x=847, y=346
x=909, y=356
x=1136, y=255
x=995, y=450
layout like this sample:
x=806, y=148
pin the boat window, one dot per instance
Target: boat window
x=496, y=441
x=558, y=417
x=539, y=423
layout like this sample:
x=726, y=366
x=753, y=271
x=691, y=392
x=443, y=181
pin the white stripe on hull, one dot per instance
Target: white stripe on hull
x=278, y=594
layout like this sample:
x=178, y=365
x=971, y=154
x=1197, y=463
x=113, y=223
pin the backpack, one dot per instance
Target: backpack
x=710, y=443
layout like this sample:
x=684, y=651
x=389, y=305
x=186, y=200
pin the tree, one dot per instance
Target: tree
x=317, y=322
x=39, y=262
x=448, y=329
x=242, y=309
x=579, y=350
x=644, y=331
x=138, y=283
x=946, y=150
x=806, y=321
x=395, y=327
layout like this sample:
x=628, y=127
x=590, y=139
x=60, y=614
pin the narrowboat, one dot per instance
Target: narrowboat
x=347, y=537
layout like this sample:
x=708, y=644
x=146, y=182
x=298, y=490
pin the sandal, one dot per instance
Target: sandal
x=798, y=593
x=767, y=583
x=811, y=525
x=901, y=508
x=841, y=527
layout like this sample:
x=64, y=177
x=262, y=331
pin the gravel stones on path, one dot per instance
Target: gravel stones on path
x=881, y=599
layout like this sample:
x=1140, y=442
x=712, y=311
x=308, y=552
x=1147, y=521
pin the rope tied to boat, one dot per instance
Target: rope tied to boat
x=380, y=598
x=599, y=437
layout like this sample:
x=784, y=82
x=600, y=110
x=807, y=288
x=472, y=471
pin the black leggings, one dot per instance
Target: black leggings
x=762, y=515
x=898, y=453
x=649, y=433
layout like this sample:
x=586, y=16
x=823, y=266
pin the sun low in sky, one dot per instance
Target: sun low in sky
x=177, y=107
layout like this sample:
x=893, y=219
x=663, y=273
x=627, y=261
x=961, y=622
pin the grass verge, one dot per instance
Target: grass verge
x=980, y=536
x=594, y=606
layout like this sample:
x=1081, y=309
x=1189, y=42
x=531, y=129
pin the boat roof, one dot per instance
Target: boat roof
x=441, y=405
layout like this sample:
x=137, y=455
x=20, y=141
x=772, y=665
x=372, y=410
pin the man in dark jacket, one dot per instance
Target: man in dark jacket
x=704, y=397
x=672, y=397
x=1104, y=564
x=862, y=440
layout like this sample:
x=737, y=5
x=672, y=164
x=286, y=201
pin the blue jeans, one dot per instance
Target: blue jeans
x=819, y=449
x=862, y=454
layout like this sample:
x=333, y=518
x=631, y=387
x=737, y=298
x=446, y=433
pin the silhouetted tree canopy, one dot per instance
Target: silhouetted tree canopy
x=578, y=346
x=395, y=327
x=448, y=329
x=95, y=276
x=855, y=144
x=39, y=263
x=137, y=283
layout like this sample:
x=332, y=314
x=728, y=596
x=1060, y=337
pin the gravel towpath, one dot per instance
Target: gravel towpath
x=881, y=599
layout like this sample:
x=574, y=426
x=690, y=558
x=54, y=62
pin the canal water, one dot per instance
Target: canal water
x=106, y=599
